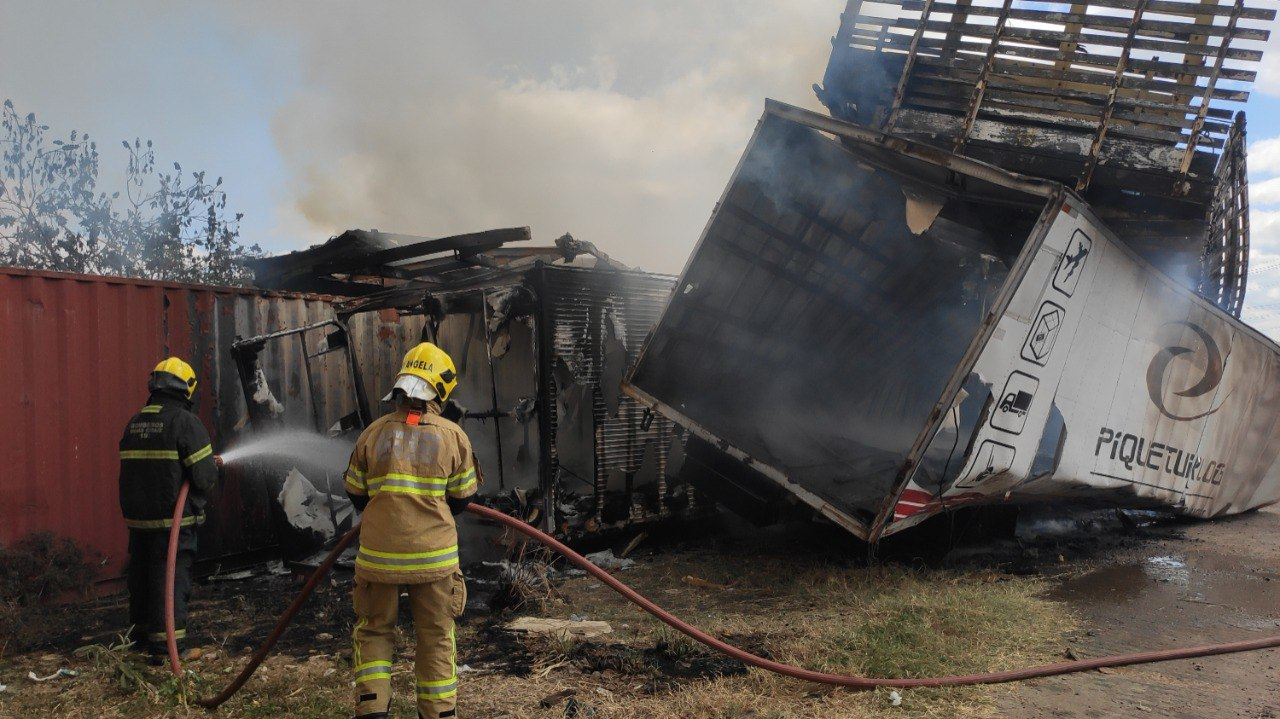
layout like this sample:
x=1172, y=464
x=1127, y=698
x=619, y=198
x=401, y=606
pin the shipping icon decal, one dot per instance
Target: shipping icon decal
x=1069, y=268
x=1213, y=370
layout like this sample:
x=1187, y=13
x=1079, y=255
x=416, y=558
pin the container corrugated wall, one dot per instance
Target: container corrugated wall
x=590, y=311
x=76, y=352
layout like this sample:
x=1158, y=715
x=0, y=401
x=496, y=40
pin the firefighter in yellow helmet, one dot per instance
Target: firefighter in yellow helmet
x=411, y=472
x=163, y=445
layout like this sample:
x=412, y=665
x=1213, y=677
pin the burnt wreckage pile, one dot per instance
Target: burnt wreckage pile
x=541, y=336
x=1007, y=268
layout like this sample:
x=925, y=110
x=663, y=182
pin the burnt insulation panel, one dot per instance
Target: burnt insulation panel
x=598, y=322
x=812, y=329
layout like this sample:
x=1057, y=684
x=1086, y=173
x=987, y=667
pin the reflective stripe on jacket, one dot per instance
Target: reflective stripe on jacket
x=408, y=534
x=163, y=445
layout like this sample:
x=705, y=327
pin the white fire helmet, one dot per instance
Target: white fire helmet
x=413, y=386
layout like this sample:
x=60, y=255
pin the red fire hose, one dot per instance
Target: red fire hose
x=283, y=623
x=745, y=657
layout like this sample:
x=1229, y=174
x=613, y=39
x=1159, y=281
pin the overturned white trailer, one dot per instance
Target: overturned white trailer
x=882, y=330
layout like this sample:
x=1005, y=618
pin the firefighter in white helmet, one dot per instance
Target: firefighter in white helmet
x=410, y=473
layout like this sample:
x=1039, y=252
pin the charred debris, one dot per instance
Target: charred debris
x=542, y=337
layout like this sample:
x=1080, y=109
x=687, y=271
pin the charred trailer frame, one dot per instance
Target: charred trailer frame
x=886, y=331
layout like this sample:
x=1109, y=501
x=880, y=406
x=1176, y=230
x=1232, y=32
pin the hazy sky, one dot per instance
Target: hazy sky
x=617, y=121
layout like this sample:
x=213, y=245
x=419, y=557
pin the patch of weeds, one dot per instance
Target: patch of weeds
x=552, y=652
x=632, y=663
x=676, y=646
x=11, y=622
x=43, y=565
x=39, y=566
x=117, y=661
x=903, y=642
x=564, y=646
x=183, y=690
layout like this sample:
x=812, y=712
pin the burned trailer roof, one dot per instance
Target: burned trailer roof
x=360, y=262
x=491, y=270
x=1131, y=102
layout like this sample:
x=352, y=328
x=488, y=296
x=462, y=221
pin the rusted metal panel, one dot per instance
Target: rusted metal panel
x=379, y=340
x=68, y=345
x=77, y=352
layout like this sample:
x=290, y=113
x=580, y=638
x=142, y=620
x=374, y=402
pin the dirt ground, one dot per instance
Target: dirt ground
x=1185, y=584
x=1085, y=585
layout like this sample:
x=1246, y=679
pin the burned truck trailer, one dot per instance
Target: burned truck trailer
x=879, y=330
x=541, y=338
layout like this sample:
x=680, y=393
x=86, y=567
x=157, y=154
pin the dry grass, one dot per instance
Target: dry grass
x=888, y=621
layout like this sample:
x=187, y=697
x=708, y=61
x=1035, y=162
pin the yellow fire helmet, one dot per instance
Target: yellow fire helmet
x=173, y=374
x=427, y=373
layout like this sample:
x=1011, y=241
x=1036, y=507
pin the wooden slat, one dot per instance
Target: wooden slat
x=1006, y=50
x=1082, y=81
x=1134, y=99
x=1149, y=103
x=1050, y=114
x=1161, y=7
x=1052, y=38
x=1104, y=122
x=1172, y=46
x=1201, y=112
x=1012, y=140
x=907, y=68
x=1156, y=28
x=1010, y=110
x=980, y=87
x=1013, y=112
x=1184, y=123
x=942, y=27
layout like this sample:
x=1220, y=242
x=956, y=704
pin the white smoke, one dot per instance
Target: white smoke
x=619, y=122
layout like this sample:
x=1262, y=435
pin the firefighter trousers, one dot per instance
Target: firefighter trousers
x=433, y=605
x=148, y=553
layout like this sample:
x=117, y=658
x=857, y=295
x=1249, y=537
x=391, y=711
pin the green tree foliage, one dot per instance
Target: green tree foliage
x=164, y=225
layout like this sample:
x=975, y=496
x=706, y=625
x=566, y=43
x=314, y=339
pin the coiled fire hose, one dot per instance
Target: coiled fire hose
x=853, y=682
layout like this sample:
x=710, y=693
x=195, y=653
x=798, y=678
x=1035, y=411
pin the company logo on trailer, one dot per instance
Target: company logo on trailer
x=1213, y=369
